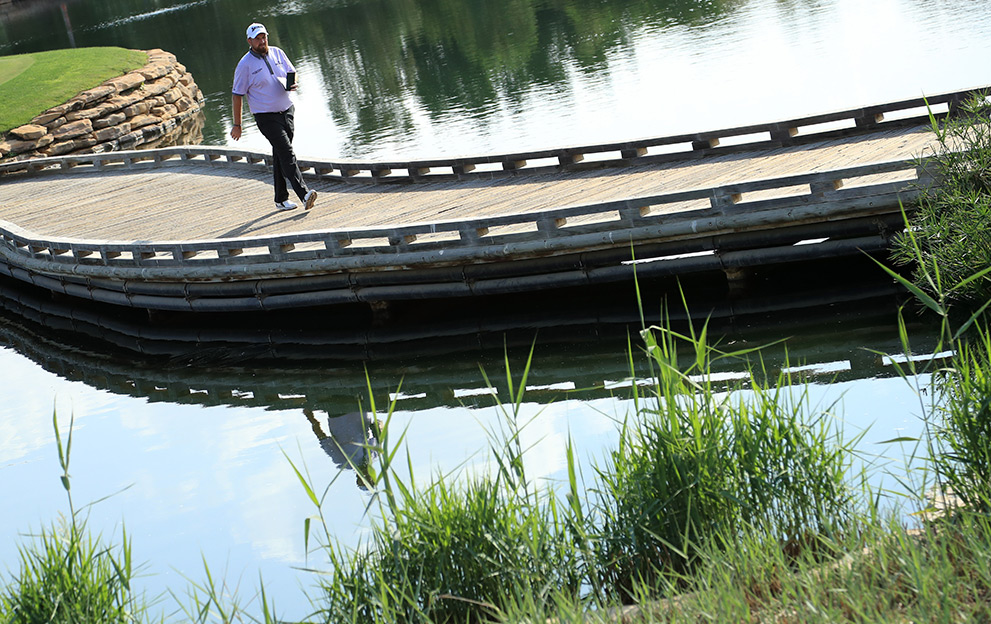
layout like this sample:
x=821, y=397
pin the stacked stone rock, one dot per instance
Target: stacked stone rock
x=125, y=112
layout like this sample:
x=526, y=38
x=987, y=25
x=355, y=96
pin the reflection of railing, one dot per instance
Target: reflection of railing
x=579, y=354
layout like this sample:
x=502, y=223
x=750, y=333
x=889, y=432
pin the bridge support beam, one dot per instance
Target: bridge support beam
x=739, y=280
x=381, y=312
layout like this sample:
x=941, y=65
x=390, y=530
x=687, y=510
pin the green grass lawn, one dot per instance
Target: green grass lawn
x=33, y=83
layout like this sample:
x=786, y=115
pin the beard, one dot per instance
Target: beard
x=260, y=48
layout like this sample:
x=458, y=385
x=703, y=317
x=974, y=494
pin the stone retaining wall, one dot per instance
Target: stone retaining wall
x=156, y=106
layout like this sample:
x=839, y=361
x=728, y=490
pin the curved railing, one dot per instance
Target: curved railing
x=650, y=150
x=685, y=214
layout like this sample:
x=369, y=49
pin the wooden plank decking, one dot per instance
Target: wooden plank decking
x=206, y=202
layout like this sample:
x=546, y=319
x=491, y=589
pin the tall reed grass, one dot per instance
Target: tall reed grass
x=958, y=422
x=963, y=433
x=699, y=465
x=456, y=549
x=702, y=465
x=949, y=239
x=69, y=576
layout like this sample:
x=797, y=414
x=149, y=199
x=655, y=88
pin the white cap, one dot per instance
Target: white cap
x=256, y=29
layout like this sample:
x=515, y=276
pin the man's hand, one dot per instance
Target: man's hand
x=236, y=133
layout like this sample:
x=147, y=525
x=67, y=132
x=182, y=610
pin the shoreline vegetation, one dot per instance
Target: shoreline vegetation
x=720, y=503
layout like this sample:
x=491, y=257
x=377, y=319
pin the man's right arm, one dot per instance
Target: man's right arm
x=237, y=104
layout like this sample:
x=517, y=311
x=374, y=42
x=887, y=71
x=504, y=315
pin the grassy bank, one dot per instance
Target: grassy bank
x=32, y=83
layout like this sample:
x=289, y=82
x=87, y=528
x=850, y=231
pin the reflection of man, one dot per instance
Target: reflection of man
x=260, y=76
x=347, y=439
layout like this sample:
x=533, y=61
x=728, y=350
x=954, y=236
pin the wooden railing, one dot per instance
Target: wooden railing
x=761, y=204
x=650, y=150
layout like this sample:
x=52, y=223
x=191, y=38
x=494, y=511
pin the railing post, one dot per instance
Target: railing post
x=400, y=241
x=632, y=215
x=820, y=189
x=722, y=198
x=550, y=225
x=513, y=164
x=417, y=173
x=471, y=236
x=783, y=134
x=924, y=175
x=868, y=118
x=461, y=168
x=699, y=145
x=279, y=248
x=632, y=153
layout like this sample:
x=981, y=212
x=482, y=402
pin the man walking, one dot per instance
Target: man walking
x=261, y=76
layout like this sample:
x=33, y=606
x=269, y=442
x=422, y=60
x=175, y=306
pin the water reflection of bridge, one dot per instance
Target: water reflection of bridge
x=580, y=353
x=193, y=228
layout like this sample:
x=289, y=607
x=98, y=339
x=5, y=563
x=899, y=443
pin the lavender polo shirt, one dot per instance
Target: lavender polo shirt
x=264, y=92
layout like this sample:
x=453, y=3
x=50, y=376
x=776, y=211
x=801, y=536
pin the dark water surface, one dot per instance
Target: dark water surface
x=425, y=78
x=193, y=419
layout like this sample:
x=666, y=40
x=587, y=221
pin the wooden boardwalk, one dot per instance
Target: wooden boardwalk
x=194, y=228
x=202, y=202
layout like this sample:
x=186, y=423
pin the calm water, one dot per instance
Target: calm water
x=415, y=78
x=185, y=427
x=191, y=423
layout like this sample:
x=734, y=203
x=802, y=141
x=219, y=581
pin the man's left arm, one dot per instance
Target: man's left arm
x=237, y=106
x=238, y=91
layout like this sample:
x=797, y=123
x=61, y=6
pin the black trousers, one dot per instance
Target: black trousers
x=278, y=129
